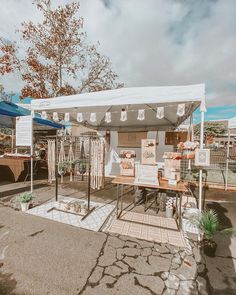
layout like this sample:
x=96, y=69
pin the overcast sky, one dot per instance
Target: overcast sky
x=153, y=42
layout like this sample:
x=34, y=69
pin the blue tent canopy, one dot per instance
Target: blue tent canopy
x=9, y=109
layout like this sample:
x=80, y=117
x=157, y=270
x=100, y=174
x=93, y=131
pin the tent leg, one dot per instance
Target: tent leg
x=12, y=141
x=227, y=162
x=32, y=158
x=200, y=171
x=89, y=175
x=56, y=170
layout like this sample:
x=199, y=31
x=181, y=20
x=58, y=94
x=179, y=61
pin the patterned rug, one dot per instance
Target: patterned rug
x=94, y=221
x=147, y=227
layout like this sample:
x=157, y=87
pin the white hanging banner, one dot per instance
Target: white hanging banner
x=160, y=113
x=44, y=115
x=181, y=109
x=141, y=115
x=55, y=116
x=93, y=117
x=108, y=117
x=79, y=117
x=67, y=117
x=24, y=127
x=68, y=130
x=123, y=116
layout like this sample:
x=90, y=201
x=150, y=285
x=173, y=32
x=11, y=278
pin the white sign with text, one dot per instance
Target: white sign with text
x=24, y=126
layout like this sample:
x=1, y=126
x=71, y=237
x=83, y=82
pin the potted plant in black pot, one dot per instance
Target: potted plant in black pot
x=209, y=225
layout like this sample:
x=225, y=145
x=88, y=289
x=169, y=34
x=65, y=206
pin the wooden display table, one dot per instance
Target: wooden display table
x=122, y=181
x=17, y=167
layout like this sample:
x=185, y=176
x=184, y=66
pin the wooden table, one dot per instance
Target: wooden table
x=122, y=181
x=16, y=166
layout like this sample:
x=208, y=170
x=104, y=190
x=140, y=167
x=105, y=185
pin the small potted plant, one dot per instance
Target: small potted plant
x=25, y=200
x=208, y=223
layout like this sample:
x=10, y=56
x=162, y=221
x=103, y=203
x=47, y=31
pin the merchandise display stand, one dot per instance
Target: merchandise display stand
x=80, y=165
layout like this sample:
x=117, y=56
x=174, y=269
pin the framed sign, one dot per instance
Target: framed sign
x=174, y=137
x=131, y=139
x=146, y=174
x=202, y=157
x=148, y=153
x=24, y=130
x=127, y=163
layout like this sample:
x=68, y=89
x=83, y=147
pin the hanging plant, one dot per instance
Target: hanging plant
x=73, y=163
x=82, y=166
x=62, y=167
x=82, y=161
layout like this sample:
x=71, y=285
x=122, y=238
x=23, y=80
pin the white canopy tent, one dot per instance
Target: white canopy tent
x=131, y=100
x=231, y=125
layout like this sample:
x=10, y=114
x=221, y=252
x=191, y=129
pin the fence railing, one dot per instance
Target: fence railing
x=216, y=172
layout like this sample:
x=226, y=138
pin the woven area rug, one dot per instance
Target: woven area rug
x=147, y=227
x=94, y=221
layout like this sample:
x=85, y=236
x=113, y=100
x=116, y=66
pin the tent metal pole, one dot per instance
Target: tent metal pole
x=32, y=156
x=200, y=171
x=227, y=162
x=12, y=141
x=56, y=169
x=89, y=175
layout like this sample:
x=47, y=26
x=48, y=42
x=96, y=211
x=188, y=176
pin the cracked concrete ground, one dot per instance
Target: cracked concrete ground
x=45, y=257
x=39, y=256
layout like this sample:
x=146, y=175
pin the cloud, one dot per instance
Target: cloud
x=156, y=42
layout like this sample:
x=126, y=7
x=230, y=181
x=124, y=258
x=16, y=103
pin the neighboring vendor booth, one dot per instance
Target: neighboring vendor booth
x=138, y=109
x=16, y=163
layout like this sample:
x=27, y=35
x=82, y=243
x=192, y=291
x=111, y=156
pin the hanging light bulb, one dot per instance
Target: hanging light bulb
x=108, y=117
x=160, y=113
x=123, y=115
x=44, y=115
x=55, y=116
x=93, y=117
x=141, y=115
x=79, y=117
x=67, y=117
x=181, y=109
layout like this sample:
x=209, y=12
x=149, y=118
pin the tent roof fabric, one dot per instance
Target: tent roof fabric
x=9, y=109
x=232, y=123
x=132, y=99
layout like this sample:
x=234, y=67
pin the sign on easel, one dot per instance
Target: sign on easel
x=148, y=151
x=146, y=174
x=24, y=126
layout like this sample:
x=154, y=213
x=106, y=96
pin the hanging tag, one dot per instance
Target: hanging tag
x=123, y=115
x=160, y=113
x=141, y=115
x=93, y=117
x=67, y=117
x=108, y=117
x=79, y=117
x=44, y=115
x=181, y=109
x=55, y=116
